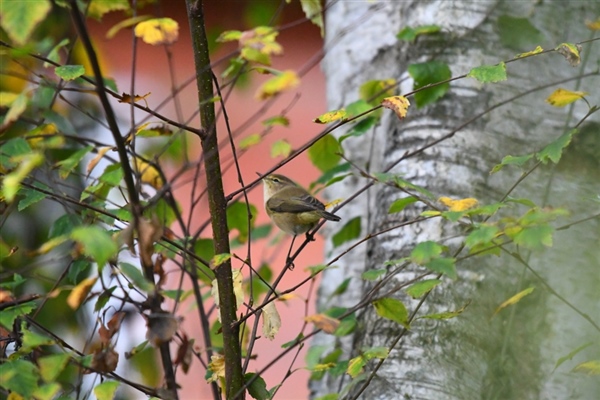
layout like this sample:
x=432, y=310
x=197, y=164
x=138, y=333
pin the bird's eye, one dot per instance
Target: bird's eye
x=276, y=180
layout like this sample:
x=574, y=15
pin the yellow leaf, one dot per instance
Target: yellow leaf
x=593, y=25
x=530, y=53
x=219, y=259
x=514, y=299
x=271, y=321
x=237, y=287
x=149, y=174
x=458, y=205
x=287, y=297
x=80, y=292
x=571, y=52
x=287, y=80
x=333, y=203
x=324, y=322
x=97, y=159
x=126, y=98
x=261, y=38
x=563, y=97
x=158, y=31
x=330, y=116
x=398, y=104
x=217, y=367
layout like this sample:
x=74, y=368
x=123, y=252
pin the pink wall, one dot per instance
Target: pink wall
x=301, y=43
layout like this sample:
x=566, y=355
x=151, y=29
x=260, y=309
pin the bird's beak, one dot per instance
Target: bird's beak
x=259, y=175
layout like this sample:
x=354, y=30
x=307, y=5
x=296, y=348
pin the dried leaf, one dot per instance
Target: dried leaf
x=514, y=299
x=149, y=232
x=571, y=52
x=398, y=104
x=92, y=164
x=184, y=354
x=105, y=359
x=80, y=292
x=271, y=321
x=217, y=367
x=323, y=322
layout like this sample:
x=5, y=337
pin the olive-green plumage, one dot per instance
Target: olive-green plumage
x=291, y=207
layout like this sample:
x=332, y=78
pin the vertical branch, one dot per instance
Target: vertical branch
x=154, y=299
x=234, y=380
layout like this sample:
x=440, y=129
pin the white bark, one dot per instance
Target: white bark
x=460, y=358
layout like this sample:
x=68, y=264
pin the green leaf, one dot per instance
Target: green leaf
x=20, y=18
x=373, y=92
x=106, y=390
x=32, y=340
x=443, y=265
x=64, y=225
x=31, y=196
x=313, y=11
x=400, y=204
x=342, y=287
x=347, y=326
x=19, y=376
x=47, y=392
x=323, y=153
x=67, y=165
x=373, y=274
x=409, y=34
x=392, y=309
x=572, y=354
x=518, y=33
x=425, y=252
x=258, y=387
x=419, y=289
x=404, y=184
x=17, y=107
x=482, y=234
x=429, y=73
x=237, y=218
x=553, y=151
x=249, y=141
x=277, y=120
x=355, y=366
x=96, y=243
x=535, y=237
x=53, y=55
x=51, y=366
x=112, y=175
x=135, y=275
x=219, y=259
x=69, y=72
x=8, y=315
x=350, y=231
x=281, y=148
x=489, y=73
x=589, y=367
x=12, y=181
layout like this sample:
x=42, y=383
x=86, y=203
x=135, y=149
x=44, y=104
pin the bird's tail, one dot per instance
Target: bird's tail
x=329, y=216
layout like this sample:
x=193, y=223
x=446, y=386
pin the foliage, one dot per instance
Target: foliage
x=101, y=257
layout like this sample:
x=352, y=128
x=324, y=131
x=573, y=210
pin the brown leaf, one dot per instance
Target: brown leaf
x=80, y=292
x=105, y=359
x=184, y=354
x=149, y=231
x=323, y=322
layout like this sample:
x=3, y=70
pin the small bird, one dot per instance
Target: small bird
x=291, y=207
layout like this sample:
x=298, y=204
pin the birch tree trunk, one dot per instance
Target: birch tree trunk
x=510, y=355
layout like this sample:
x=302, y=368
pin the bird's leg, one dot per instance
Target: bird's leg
x=310, y=237
x=288, y=259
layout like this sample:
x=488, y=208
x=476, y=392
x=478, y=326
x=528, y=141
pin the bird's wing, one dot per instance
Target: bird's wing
x=296, y=204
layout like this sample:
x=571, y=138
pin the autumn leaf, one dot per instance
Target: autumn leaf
x=92, y=164
x=158, y=31
x=126, y=98
x=286, y=80
x=563, y=97
x=80, y=292
x=398, y=104
x=330, y=116
x=217, y=367
x=458, y=205
x=185, y=351
x=537, y=50
x=105, y=359
x=514, y=299
x=149, y=174
x=271, y=321
x=571, y=52
x=324, y=322
x=593, y=25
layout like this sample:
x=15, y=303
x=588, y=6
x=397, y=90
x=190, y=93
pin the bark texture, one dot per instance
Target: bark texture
x=475, y=356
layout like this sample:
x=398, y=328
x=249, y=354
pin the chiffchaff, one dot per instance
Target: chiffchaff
x=291, y=207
